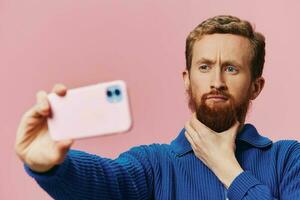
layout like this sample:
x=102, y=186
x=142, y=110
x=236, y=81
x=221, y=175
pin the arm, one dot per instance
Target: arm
x=86, y=176
x=247, y=187
x=75, y=174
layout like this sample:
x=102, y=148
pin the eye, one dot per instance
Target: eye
x=231, y=69
x=204, y=68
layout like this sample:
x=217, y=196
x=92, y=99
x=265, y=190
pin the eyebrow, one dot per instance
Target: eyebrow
x=227, y=62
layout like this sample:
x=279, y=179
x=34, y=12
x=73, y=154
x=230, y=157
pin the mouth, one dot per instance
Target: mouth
x=217, y=98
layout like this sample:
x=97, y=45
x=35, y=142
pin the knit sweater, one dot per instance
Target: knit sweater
x=173, y=172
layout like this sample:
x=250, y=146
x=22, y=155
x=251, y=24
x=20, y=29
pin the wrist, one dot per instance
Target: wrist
x=227, y=173
x=40, y=168
x=229, y=178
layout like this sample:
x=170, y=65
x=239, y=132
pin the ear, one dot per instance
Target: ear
x=186, y=79
x=257, y=87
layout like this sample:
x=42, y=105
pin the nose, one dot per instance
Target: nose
x=217, y=81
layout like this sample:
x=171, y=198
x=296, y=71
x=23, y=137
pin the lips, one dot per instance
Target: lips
x=217, y=97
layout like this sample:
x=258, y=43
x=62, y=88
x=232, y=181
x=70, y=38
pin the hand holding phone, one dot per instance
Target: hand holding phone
x=83, y=112
x=33, y=144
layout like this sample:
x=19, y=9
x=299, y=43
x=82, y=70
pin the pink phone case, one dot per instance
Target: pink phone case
x=93, y=110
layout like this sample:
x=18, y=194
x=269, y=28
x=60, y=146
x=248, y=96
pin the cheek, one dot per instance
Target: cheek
x=239, y=89
x=199, y=84
x=198, y=89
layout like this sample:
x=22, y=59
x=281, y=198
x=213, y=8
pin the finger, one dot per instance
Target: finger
x=60, y=89
x=202, y=130
x=197, y=151
x=191, y=141
x=192, y=133
x=30, y=120
x=65, y=144
x=236, y=125
x=189, y=138
x=233, y=130
x=200, y=127
x=189, y=128
x=34, y=115
x=43, y=107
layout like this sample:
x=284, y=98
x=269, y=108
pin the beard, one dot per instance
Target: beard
x=219, y=116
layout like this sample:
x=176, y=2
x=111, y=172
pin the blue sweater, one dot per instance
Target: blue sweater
x=172, y=171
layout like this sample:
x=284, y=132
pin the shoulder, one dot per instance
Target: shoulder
x=287, y=152
x=149, y=153
x=287, y=146
x=150, y=149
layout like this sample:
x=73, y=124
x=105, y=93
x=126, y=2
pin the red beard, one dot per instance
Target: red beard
x=219, y=116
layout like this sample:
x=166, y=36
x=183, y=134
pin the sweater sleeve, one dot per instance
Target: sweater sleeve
x=87, y=176
x=247, y=187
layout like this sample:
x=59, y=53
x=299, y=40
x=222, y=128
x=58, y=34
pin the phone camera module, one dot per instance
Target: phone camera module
x=114, y=94
x=117, y=92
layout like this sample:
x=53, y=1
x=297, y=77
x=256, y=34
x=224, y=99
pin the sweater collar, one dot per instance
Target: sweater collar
x=249, y=135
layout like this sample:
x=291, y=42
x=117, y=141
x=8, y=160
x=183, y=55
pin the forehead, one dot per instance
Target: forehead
x=224, y=47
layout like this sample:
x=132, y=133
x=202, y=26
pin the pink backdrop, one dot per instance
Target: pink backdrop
x=142, y=42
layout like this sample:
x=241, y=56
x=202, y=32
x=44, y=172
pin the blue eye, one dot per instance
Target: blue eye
x=231, y=69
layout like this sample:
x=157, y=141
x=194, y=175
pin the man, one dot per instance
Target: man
x=215, y=156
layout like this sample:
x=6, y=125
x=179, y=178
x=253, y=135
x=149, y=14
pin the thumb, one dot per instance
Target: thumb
x=64, y=144
x=235, y=128
x=236, y=125
x=63, y=148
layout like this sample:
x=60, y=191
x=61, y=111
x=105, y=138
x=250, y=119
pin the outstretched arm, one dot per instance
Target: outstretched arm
x=87, y=176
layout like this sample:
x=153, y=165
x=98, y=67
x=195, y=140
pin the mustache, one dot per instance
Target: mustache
x=217, y=92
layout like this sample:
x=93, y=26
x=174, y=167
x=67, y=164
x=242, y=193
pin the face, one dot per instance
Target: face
x=219, y=82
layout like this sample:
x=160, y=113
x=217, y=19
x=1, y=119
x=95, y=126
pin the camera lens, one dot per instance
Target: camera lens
x=108, y=93
x=117, y=92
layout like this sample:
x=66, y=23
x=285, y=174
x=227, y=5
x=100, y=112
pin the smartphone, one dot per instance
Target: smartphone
x=88, y=111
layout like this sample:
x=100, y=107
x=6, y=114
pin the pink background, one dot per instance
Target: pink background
x=142, y=42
